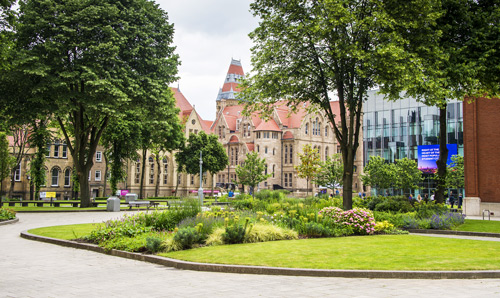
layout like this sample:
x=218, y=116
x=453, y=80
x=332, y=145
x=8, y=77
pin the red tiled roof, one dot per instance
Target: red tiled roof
x=234, y=139
x=250, y=146
x=182, y=103
x=270, y=125
x=236, y=69
x=287, y=135
x=206, y=124
x=227, y=87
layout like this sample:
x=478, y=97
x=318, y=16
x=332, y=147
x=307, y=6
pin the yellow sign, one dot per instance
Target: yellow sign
x=50, y=194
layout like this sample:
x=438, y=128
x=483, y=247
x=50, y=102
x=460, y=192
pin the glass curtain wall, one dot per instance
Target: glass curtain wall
x=395, y=129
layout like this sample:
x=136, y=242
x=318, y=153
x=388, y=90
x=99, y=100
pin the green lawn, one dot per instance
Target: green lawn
x=67, y=232
x=386, y=252
x=487, y=226
x=383, y=252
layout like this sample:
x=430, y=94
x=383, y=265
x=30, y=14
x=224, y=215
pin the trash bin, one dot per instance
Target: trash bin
x=113, y=204
x=131, y=197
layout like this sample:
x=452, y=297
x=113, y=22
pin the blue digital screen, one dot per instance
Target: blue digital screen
x=429, y=154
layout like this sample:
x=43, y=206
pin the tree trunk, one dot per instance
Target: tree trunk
x=443, y=157
x=347, y=185
x=141, y=187
x=84, y=191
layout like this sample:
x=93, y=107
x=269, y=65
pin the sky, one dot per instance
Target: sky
x=208, y=33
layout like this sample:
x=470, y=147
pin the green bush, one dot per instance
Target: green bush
x=154, y=244
x=7, y=214
x=428, y=209
x=397, y=219
x=246, y=204
x=168, y=219
x=188, y=237
x=234, y=234
x=395, y=204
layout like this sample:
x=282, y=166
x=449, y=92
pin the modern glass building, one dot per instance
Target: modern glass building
x=395, y=129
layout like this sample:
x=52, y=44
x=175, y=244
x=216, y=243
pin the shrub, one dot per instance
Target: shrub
x=127, y=226
x=446, y=221
x=384, y=227
x=7, y=214
x=397, y=219
x=428, y=209
x=188, y=237
x=134, y=244
x=361, y=221
x=246, y=204
x=154, y=244
x=234, y=234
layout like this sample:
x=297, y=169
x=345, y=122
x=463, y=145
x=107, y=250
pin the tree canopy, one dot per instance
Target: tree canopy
x=251, y=173
x=324, y=50
x=88, y=62
x=309, y=165
x=214, y=156
x=330, y=172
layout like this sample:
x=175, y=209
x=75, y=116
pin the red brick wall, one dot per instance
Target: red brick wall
x=482, y=149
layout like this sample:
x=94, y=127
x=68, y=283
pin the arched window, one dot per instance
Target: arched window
x=307, y=128
x=236, y=155
x=55, y=177
x=244, y=130
x=232, y=156
x=291, y=154
x=326, y=130
x=265, y=170
x=326, y=153
x=67, y=177
x=274, y=168
x=319, y=129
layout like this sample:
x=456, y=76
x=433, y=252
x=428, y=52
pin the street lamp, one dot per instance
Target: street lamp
x=31, y=186
x=200, y=190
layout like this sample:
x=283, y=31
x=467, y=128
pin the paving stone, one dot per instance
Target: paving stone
x=34, y=269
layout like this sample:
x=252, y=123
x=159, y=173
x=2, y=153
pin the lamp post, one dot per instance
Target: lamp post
x=200, y=190
x=28, y=176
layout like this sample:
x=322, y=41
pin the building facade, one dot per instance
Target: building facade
x=277, y=140
x=395, y=129
x=482, y=160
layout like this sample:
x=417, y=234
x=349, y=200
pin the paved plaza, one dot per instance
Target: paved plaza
x=35, y=269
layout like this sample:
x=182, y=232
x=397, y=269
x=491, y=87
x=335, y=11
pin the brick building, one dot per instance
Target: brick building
x=481, y=156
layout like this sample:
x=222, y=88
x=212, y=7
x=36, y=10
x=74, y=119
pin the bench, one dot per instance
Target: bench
x=142, y=203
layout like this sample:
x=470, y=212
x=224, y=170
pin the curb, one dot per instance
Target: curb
x=242, y=269
x=8, y=222
x=459, y=233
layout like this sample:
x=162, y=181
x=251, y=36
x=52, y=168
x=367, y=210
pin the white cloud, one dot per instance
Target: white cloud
x=207, y=35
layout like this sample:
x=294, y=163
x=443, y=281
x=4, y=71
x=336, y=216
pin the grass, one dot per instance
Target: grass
x=485, y=226
x=386, y=252
x=67, y=232
x=383, y=252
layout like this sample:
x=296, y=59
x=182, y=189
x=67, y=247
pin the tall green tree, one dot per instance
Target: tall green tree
x=408, y=176
x=460, y=60
x=214, y=156
x=309, y=164
x=318, y=51
x=379, y=174
x=331, y=172
x=94, y=61
x=251, y=173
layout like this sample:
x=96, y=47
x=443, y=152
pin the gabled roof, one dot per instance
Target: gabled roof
x=268, y=126
x=182, y=103
x=287, y=135
x=234, y=139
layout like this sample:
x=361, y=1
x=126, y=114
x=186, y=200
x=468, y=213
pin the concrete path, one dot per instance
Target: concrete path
x=35, y=269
